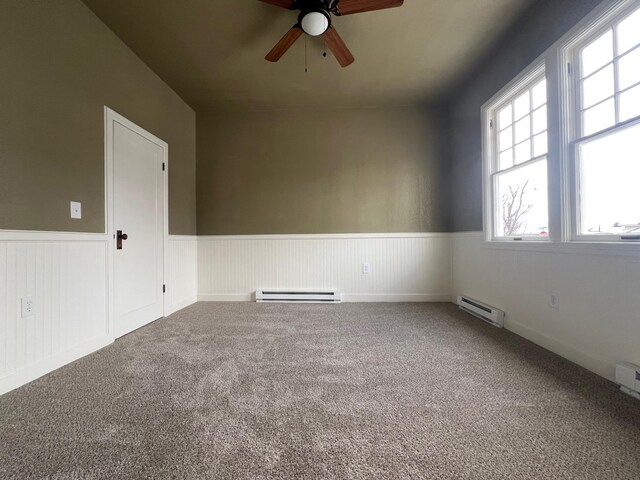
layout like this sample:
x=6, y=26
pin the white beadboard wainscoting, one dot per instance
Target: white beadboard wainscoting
x=404, y=267
x=182, y=272
x=596, y=326
x=66, y=275
x=597, y=323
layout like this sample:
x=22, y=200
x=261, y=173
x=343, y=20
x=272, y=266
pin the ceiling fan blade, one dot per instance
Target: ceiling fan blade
x=284, y=44
x=288, y=4
x=338, y=47
x=349, y=7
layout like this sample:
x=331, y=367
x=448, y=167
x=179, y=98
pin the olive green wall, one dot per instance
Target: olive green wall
x=321, y=171
x=59, y=66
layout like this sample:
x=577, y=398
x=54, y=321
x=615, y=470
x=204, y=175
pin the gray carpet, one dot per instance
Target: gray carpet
x=249, y=390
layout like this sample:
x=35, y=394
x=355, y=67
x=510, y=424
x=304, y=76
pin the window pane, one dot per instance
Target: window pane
x=597, y=54
x=506, y=159
x=506, y=139
x=599, y=117
x=523, y=129
x=598, y=87
x=522, y=201
x=505, y=117
x=522, y=105
x=629, y=32
x=630, y=104
x=523, y=152
x=610, y=169
x=629, y=69
x=539, y=93
x=540, y=146
x=540, y=120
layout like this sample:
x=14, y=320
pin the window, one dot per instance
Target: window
x=606, y=157
x=561, y=152
x=518, y=160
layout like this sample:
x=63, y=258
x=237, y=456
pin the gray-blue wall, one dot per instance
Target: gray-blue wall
x=542, y=25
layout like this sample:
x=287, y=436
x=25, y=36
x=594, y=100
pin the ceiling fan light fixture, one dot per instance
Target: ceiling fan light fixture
x=314, y=23
x=315, y=20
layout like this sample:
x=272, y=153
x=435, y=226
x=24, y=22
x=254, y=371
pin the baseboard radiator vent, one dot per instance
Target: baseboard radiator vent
x=293, y=296
x=628, y=377
x=486, y=313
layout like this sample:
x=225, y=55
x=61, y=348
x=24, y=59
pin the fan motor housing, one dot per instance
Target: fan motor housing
x=312, y=5
x=308, y=6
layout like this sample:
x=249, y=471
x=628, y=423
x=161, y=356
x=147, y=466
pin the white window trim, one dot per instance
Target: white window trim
x=561, y=132
x=489, y=153
x=569, y=83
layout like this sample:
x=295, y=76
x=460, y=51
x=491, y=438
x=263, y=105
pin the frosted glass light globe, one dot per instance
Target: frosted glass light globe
x=315, y=23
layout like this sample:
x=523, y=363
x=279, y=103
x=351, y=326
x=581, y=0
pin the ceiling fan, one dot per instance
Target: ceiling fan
x=315, y=20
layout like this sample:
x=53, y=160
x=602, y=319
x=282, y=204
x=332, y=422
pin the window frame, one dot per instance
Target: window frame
x=524, y=81
x=571, y=88
x=558, y=62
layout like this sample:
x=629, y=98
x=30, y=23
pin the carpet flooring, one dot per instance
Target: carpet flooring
x=245, y=390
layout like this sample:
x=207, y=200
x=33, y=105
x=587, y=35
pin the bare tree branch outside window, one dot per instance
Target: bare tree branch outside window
x=514, y=209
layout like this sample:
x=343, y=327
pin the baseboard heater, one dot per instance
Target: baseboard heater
x=294, y=296
x=628, y=377
x=486, y=313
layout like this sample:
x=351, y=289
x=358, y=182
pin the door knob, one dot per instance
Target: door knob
x=119, y=238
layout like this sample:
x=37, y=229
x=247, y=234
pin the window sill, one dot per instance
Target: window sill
x=630, y=249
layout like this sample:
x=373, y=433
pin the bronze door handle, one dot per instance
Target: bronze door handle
x=119, y=238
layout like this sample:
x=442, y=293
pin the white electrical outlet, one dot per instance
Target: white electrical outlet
x=76, y=210
x=366, y=267
x=28, y=307
x=554, y=301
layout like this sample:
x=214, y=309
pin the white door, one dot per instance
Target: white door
x=137, y=225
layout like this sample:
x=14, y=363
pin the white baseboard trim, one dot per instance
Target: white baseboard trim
x=346, y=297
x=171, y=309
x=586, y=360
x=49, y=364
x=395, y=297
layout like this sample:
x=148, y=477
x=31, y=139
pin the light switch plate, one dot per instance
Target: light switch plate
x=76, y=210
x=366, y=268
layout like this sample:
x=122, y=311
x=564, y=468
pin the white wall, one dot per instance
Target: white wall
x=404, y=267
x=182, y=272
x=66, y=274
x=598, y=322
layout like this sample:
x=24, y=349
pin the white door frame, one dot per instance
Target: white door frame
x=111, y=116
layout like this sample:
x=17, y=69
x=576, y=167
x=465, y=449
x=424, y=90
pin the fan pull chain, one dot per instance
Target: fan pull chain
x=305, y=55
x=324, y=54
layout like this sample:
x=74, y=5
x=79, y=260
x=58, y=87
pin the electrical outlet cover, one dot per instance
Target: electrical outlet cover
x=27, y=307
